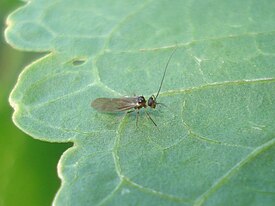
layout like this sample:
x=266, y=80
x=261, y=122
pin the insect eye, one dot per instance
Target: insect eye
x=150, y=101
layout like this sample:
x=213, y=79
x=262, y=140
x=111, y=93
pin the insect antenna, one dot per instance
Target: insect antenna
x=165, y=71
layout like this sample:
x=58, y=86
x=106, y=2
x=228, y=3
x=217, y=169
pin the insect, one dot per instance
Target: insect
x=131, y=104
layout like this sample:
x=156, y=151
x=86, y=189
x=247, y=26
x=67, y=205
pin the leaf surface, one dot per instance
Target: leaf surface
x=214, y=144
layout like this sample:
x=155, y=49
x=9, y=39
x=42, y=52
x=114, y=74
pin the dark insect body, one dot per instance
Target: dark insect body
x=130, y=103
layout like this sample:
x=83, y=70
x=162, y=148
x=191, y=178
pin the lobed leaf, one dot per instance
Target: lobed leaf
x=214, y=144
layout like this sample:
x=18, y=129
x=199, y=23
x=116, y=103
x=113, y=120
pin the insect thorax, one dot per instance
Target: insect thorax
x=141, y=102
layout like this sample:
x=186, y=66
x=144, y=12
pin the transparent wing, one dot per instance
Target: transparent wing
x=114, y=104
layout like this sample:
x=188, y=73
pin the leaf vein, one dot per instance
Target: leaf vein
x=225, y=178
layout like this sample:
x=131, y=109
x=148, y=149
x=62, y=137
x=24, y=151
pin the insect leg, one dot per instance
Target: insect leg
x=161, y=104
x=137, y=114
x=150, y=118
x=130, y=111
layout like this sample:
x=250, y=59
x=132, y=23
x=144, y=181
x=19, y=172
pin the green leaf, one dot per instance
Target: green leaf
x=214, y=144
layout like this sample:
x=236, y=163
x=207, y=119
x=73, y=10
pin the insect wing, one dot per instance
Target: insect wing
x=114, y=104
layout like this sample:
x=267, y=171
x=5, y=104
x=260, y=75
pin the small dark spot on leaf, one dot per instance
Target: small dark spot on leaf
x=78, y=62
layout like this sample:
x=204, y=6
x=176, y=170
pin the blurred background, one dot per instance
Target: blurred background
x=28, y=167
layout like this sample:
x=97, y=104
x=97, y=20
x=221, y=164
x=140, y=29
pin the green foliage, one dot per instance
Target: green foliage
x=25, y=178
x=214, y=144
